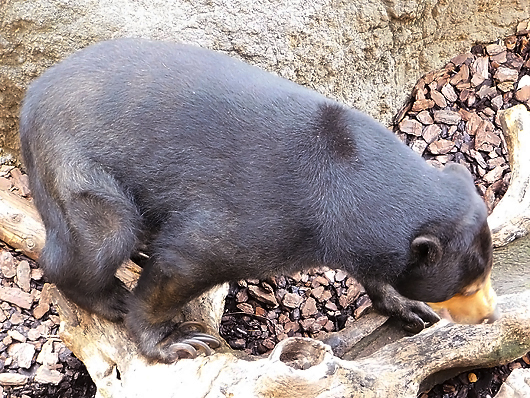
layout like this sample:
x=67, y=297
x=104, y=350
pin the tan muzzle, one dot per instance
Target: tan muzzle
x=477, y=303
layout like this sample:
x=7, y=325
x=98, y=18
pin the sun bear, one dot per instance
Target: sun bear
x=217, y=171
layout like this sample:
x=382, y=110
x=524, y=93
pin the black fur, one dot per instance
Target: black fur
x=222, y=171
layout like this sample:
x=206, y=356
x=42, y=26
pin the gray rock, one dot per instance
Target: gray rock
x=516, y=386
x=22, y=354
x=13, y=379
x=46, y=375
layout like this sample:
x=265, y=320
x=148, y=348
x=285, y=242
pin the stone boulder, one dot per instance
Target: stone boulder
x=365, y=53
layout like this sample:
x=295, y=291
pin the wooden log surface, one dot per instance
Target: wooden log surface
x=20, y=225
x=510, y=219
x=297, y=367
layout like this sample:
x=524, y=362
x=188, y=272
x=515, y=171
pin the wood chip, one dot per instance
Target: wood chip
x=438, y=98
x=5, y=184
x=7, y=264
x=465, y=95
x=309, y=307
x=310, y=325
x=44, y=302
x=292, y=300
x=21, y=181
x=493, y=175
x=46, y=375
x=449, y=93
x=24, y=276
x=523, y=94
x=13, y=379
x=460, y=59
x=473, y=124
x=16, y=296
x=447, y=116
x=497, y=102
x=480, y=67
x=16, y=335
x=494, y=49
x=506, y=74
x=419, y=145
x=425, y=118
x=22, y=354
x=486, y=135
x=500, y=58
x=487, y=91
x=260, y=294
x=441, y=147
x=242, y=296
x=245, y=307
x=506, y=87
x=363, y=304
x=422, y=104
x=431, y=133
x=478, y=157
x=461, y=76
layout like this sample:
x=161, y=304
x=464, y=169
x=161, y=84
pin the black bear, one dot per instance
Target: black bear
x=218, y=171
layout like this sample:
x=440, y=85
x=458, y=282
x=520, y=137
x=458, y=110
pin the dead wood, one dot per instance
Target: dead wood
x=297, y=366
x=511, y=217
x=20, y=225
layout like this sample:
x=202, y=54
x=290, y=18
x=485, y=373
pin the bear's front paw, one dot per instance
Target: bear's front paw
x=415, y=315
x=168, y=343
x=186, y=343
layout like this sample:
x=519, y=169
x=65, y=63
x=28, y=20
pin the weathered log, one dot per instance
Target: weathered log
x=511, y=217
x=20, y=225
x=297, y=366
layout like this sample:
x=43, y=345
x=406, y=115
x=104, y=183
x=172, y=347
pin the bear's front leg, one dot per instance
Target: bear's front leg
x=156, y=300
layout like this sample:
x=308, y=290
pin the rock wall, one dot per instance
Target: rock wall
x=366, y=53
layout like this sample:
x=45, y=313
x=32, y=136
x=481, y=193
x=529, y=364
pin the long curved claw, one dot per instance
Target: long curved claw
x=198, y=344
x=182, y=347
x=207, y=338
x=186, y=342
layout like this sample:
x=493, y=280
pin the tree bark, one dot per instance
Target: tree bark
x=20, y=225
x=510, y=219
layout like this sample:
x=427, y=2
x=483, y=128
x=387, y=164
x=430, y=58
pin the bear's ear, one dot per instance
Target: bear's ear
x=426, y=249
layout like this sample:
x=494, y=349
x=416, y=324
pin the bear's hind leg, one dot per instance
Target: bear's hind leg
x=87, y=239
